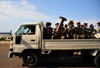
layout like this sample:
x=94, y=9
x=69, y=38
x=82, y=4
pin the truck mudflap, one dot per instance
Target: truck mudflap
x=10, y=55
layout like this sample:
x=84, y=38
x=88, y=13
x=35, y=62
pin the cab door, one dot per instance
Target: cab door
x=25, y=38
x=26, y=35
x=29, y=36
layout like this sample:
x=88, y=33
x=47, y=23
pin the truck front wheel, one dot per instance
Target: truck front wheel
x=97, y=60
x=30, y=59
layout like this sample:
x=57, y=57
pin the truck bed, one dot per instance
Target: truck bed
x=70, y=44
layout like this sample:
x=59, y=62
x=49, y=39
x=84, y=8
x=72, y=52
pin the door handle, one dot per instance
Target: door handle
x=32, y=40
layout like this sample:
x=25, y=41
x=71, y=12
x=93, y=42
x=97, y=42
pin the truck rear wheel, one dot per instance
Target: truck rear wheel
x=30, y=59
x=97, y=60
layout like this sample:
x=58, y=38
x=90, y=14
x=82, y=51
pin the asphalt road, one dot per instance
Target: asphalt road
x=15, y=62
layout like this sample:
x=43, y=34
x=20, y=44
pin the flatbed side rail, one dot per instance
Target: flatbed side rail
x=70, y=44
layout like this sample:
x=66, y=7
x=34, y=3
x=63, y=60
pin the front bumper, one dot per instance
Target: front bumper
x=10, y=55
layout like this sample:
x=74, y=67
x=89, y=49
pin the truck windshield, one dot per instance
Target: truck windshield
x=26, y=30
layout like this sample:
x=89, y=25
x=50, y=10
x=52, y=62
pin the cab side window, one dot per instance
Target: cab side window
x=29, y=30
x=26, y=30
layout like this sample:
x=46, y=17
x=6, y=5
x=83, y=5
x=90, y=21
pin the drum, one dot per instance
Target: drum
x=97, y=35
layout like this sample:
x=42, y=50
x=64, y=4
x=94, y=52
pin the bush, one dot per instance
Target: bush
x=2, y=39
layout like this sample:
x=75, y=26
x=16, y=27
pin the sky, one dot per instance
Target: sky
x=15, y=12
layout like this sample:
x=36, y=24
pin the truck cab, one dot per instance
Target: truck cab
x=28, y=36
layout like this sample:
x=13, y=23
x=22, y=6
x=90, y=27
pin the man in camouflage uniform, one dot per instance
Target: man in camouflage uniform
x=47, y=31
x=97, y=35
x=58, y=34
x=71, y=30
x=78, y=31
x=54, y=31
x=65, y=32
x=65, y=27
x=85, y=34
x=56, y=26
x=98, y=29
x=61, y=30
x=92, y=32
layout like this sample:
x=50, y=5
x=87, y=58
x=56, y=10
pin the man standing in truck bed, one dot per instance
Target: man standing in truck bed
x=58, y=34
x=48, y=31
x=56, y=26
x=54, y=32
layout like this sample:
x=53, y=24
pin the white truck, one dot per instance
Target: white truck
x=28, y=43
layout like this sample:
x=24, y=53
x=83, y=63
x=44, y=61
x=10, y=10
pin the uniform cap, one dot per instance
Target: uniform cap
x=78, y=22
x=70, y=22
x=85, y=24
x=91, y=25
x=57, y=24
x=48, y=23
x=98, y=23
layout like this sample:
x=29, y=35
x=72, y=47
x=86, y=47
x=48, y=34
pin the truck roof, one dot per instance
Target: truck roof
x=29, y=23
x=39, y=22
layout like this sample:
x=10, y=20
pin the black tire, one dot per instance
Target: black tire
x=85, y=55
x=97, y=60
x=30, y=59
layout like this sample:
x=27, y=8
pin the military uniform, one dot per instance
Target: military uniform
x=85, y=33
x=78, y=31
x=71, y=32
x=54, y=30
x=65, y=33
x=98, y=29
x=58, y=35
x=91, y=31
x=62, y=32
x=47, y=31
x=53, y=33
x=45, y=35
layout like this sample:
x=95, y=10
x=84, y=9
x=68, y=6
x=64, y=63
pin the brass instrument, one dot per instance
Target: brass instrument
x=61, y=22
x=88, y=30
x=71, y=23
